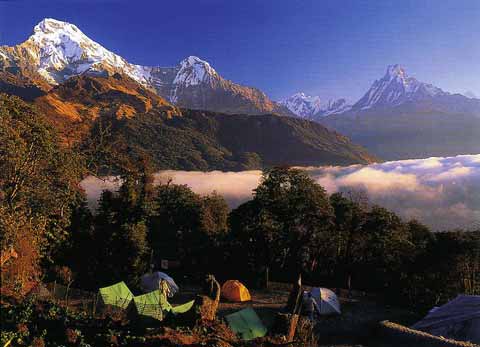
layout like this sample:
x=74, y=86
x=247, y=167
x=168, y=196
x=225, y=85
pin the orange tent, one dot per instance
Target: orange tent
x=234, y=290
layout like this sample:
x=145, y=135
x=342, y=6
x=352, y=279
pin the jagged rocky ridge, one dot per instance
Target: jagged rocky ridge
x=312, y=107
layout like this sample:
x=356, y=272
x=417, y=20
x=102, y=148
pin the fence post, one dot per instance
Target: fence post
x=267, y=277
x=55, y=291
x=94, y=308
x=66, y=296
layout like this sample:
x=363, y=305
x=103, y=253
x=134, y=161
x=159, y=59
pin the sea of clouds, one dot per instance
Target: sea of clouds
x=443, y=193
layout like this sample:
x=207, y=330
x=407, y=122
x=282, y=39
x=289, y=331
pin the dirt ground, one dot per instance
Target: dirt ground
x=356, y=325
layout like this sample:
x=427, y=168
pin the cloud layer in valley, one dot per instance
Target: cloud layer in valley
x=444, y=193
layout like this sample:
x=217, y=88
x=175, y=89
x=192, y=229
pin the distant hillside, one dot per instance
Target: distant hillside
x=74, y=106
x=405, y=132
x=135, y=121
x=200, y=140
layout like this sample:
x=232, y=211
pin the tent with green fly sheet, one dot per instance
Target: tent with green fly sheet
x=183, y=308
x=246, y=323
x=117, y=295
x=153, y=305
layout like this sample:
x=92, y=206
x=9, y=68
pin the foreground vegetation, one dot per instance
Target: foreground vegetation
x=290, y=227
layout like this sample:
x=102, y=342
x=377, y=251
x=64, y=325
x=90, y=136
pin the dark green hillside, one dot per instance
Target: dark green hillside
x=201, y=140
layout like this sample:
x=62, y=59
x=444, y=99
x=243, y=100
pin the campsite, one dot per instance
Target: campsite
x=181, y=315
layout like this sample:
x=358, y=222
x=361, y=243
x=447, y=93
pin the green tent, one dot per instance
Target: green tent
x=246, y=323
x=183, y=308
x=152, y=304
x=116, y=295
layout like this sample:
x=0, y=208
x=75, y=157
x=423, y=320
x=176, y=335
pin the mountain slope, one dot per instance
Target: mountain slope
x=75, y=105
x=193, y=83
x=132, y=120
x=401, y=133
x=402, y=118
x=396, y=88
x=201, y=140
x=58, y=50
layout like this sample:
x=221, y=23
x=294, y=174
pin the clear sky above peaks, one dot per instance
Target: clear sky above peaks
x=328, y=48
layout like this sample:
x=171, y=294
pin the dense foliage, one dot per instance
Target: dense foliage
x=200, y=140
x=38, y=190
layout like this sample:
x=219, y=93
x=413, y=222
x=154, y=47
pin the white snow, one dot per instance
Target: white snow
x=307, y=106
x=395, y=88
x=61, y=50
x=302, y=105
x=59, y=46
x=193, y=71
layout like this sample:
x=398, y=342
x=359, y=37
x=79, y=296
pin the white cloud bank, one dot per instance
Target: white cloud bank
x=443, y=193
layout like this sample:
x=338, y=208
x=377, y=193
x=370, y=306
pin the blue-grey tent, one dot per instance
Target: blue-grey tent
x=458, y=319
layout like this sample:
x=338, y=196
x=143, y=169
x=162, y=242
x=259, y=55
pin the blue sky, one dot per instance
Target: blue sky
x=328, y=48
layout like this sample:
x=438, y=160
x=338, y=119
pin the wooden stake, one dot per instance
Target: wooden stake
x=293, y=327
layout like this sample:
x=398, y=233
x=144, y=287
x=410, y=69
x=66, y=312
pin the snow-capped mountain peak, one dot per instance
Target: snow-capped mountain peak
x=334, y=106
x=307, y=106
x=194, y=71
x=395, y=71
x=62, y=43
x=52, y=26
x=60, y=50
x=302, y=105
x=395, y=88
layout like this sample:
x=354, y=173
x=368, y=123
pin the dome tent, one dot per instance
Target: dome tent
x=151, y=281
x=327, y=301
x=234, y=290
x=458, y=319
